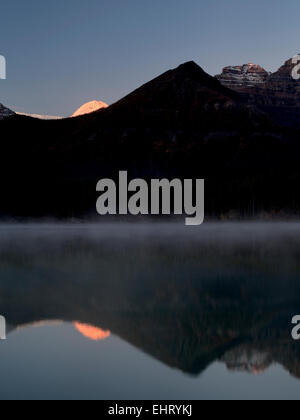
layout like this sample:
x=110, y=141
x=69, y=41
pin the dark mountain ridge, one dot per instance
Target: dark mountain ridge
x=182, y=124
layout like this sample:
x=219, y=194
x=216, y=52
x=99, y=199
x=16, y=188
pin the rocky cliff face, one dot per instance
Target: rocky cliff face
x=280, y=96
x=5, y=112
x=241, y=78
x=281, y=89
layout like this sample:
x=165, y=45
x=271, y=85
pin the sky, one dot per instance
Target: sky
x=61, y=54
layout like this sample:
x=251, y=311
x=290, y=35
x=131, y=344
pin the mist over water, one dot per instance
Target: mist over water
x=150, y=311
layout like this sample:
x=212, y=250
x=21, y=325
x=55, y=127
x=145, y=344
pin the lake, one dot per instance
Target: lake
x=150, y=311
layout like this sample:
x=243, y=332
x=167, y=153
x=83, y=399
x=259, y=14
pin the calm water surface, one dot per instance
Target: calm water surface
x=150, y=311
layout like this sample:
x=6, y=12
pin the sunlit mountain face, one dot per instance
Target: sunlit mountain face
x=40, y=117
x=90, y=332
x=89, y=107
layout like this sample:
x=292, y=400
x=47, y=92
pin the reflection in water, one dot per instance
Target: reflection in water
x=244, y=359
x=187, y=297
x=40, y=324
x=93, y=333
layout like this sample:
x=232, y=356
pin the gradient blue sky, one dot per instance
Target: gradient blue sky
x=63, y=53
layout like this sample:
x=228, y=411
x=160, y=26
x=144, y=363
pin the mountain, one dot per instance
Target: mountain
x=280, y=96
x=277, y=94
x=186, y=88
x=5, y=112
x=183, y=123
x=241, y=78
x=40, y=117
x=89, y=107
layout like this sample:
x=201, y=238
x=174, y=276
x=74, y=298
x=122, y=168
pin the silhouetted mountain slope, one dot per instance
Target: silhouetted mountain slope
x=182, y=124
x=186, y=86
x=5, y=112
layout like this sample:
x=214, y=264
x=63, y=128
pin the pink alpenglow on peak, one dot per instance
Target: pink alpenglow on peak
x=89, y=107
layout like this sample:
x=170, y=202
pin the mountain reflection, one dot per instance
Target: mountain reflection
x=188, y=297
x=91, y=332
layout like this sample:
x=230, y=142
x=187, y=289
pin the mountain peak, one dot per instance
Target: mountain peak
x=189, y=66
x=89, y=107
x=192, y=69
x=184, y=87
